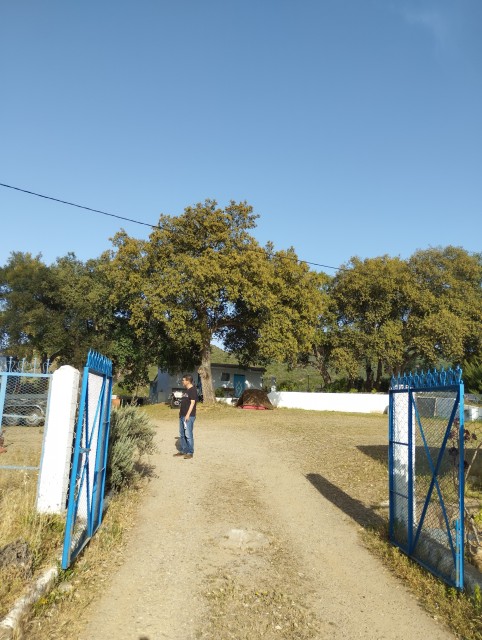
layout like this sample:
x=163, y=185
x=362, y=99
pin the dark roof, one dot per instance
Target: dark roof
x=224, y=365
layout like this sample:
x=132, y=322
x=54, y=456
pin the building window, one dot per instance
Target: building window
x=225, y=377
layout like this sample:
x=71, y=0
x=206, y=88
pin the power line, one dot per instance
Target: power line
x=145, y=224
x=79, y=206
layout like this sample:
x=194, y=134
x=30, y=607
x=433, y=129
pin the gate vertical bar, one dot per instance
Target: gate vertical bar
x=3, y=391
x=461, y=522
x=103, y=457
x=72, y=504
x=410, y=473
x=391, y=481
x=98, y=468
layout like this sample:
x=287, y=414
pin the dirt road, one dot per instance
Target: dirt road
x=239, y=543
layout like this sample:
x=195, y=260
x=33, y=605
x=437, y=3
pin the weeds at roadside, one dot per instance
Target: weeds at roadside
x=460, y=611
x=40, y=534
x=58, y=615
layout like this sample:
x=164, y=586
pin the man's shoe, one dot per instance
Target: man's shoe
x=178, y=454
x=188, y=456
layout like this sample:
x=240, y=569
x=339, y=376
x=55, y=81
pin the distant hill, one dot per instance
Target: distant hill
x=218, y=356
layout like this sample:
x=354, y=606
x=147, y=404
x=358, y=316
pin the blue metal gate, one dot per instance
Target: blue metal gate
x=426, y=477
x=87, y=479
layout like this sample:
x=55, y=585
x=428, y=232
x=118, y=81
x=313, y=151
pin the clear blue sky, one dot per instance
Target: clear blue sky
x=353, y=127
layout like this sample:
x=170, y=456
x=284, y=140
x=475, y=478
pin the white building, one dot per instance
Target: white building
x=232, y=378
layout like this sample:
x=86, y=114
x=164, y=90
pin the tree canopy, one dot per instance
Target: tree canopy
x=59, y=312
x=387, y=315
x=53, y=311
x=202, y=275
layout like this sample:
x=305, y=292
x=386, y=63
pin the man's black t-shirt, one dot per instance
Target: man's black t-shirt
x=187, y=396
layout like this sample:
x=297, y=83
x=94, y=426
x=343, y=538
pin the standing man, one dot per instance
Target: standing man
x=187, y=415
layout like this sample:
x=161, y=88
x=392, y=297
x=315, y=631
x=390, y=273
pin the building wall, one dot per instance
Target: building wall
x=253, y=378
x=165, y=383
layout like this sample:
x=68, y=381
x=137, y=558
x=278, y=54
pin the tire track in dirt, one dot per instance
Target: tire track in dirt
x=238, y=544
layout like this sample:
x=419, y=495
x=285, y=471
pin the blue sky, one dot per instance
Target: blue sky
x=353, y=127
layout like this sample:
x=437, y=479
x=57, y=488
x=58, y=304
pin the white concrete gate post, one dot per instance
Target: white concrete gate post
x=54, y=473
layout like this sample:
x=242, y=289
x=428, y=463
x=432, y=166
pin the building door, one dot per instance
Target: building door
x=239, y=385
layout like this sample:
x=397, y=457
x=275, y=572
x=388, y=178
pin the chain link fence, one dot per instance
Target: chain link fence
x=24, y=395
x=427, y=472
x=437, y=508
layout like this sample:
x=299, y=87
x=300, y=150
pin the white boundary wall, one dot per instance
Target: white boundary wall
x=57, y=450
x=348, y=402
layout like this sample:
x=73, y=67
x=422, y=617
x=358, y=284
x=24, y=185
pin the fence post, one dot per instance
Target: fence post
x=3, y=390
x=57, y=451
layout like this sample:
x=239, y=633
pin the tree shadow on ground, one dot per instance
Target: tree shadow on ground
x=355, y=509
x=145, y=470
x=378, y=452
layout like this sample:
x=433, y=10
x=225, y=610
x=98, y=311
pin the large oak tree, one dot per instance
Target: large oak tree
x=55, y=312
x=387, y=314
x=60, y=311
x=202, y=275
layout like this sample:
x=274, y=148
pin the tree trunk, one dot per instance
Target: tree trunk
x=379, y=375
x=321, y=362
x=369, y=375
x=206, y=376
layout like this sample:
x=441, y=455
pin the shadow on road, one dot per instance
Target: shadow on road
x=365, y=516
x=376, y=452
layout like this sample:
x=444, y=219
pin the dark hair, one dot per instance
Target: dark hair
x=188, y=377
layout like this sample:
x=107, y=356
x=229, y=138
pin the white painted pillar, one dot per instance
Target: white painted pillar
x=54, y=474
x=401, y=455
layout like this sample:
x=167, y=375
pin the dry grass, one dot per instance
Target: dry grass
x=61, y=613
x=461, y=613
x=274, y=612
x=344, y=456
x=19, y=520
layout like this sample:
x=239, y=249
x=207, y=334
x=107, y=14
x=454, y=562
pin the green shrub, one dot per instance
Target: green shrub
x=286, y=385
x=131, y=436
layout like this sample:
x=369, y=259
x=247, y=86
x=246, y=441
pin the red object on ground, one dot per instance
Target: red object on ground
x=252, y=406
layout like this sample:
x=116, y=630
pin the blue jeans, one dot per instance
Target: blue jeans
x=186, y=435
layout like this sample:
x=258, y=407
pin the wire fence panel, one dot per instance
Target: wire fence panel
x=24, y=397
x=87, y=482
x=426, y=479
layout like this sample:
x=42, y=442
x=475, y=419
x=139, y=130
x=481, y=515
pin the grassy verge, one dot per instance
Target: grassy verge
x=29, y=541
x=37, y=537
x=461, y=612
x=60, y=613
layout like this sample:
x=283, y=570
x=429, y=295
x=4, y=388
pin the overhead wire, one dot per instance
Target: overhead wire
x=140, y=222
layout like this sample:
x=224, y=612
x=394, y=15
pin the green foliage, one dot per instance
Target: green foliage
x=444, y=321
x=63, y=310
x=218, y=356
x=131, y=436
x=57, y=311
x=388, y=315
x=472, y=374
x=201, y=276
x=477, y=598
